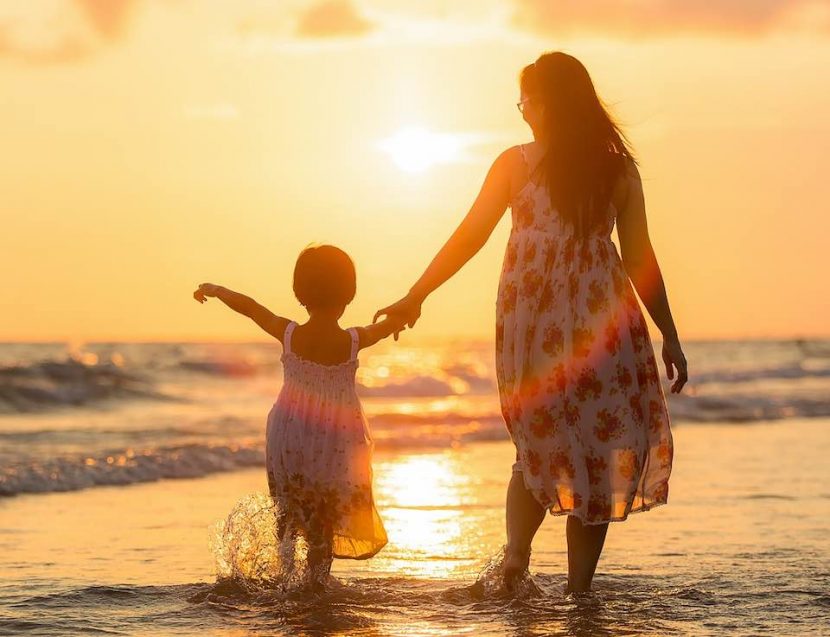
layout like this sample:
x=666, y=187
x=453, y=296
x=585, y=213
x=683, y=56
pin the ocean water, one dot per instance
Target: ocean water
x=118, y=461
x=118, y=413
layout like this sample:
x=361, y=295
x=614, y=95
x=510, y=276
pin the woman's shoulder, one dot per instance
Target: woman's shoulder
x=510, y=157
x=630, y=171
x=505, y=168
x=628, y=181
x=515, y=160
x=521, y=152
x=513, y=168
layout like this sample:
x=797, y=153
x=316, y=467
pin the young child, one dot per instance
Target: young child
x=318, y=446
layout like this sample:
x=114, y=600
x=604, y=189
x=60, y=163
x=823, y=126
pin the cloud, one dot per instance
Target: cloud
x=108, y=18
x=655, y=18
x=315, y=26
x=332, y=19
x=337, y=25
x=64, y=32
x=64, y=50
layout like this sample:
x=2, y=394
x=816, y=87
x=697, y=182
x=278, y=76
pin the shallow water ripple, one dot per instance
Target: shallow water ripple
x=621, y=605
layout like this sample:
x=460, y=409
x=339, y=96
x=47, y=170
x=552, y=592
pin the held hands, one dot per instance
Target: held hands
x=405, y=312
x=675, y=360
x=395, y=325
x=205, y=290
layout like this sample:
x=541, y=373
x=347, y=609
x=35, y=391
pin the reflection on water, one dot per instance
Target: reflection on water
x=428, y=480
x=423, y=498
x=425, y=542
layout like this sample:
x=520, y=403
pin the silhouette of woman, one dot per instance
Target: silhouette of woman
x=578, y=381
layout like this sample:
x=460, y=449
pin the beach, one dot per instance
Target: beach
x=537, y=196
x=741, y=548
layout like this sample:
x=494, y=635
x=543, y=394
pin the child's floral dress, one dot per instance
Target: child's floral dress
x=318, y=458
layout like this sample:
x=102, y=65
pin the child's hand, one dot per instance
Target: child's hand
x=394, y=326
x=205, y=290
x=407, y=311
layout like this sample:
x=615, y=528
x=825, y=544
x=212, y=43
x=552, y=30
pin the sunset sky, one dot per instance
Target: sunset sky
x=150, y=145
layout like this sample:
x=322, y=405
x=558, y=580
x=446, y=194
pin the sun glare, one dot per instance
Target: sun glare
x=422, y=496
x=415, y=149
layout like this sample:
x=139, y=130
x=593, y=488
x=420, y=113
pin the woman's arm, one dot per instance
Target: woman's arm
x=470, y=236
x=641, y=265
x=245, y=305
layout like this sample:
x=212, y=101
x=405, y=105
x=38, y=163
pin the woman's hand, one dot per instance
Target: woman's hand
x=675, y=360
x=407, y=311
x=205, y=290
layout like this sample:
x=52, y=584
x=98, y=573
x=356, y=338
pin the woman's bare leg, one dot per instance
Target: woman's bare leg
x=524, y=515
x=585, y=542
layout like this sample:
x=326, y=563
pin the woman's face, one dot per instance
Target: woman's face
x=532, y=112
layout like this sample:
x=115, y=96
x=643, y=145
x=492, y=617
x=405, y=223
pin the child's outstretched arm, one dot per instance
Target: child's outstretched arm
x=371, y=334
x=259, y=314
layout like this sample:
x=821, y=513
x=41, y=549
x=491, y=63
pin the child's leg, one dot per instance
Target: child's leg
x=287, y=546
x=319, y=562
x=319, y=553
x=286, y=538
x=320, y=537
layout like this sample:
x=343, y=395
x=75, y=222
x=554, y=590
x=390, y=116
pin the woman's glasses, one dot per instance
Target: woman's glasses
x=521, y=105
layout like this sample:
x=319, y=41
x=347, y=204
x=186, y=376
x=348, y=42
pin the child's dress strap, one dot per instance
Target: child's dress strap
x=286, y=338
x=355, y=343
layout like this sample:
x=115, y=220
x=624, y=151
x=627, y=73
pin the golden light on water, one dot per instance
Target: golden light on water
x=422, y=501
x=424, y=481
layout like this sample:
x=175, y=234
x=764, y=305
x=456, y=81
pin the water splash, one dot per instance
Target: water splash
x=491, y=582
x=249, y=554
x=244, y=544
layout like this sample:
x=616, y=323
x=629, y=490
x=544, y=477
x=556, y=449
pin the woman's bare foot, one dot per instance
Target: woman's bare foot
x=514, y=566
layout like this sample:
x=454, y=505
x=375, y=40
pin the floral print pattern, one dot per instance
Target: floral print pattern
x=578, y=380
x=318, y=459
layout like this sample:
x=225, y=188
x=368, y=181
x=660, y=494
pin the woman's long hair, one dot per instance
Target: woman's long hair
x=586, y=149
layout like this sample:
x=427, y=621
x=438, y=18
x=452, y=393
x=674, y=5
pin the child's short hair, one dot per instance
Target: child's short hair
x=324, y=277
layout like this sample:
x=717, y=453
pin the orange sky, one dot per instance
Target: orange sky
x=152, y=145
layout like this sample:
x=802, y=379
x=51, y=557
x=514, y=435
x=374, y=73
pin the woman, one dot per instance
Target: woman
x=578, y=381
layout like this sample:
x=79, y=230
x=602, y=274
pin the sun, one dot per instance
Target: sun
x=415, y=149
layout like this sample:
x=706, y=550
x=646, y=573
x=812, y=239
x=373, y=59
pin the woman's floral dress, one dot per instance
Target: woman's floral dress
x=318, y=459
x=578, y=381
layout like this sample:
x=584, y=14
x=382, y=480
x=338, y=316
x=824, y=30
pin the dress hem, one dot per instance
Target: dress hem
x=363, y=556
x=558, y=512
x=640, y=509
